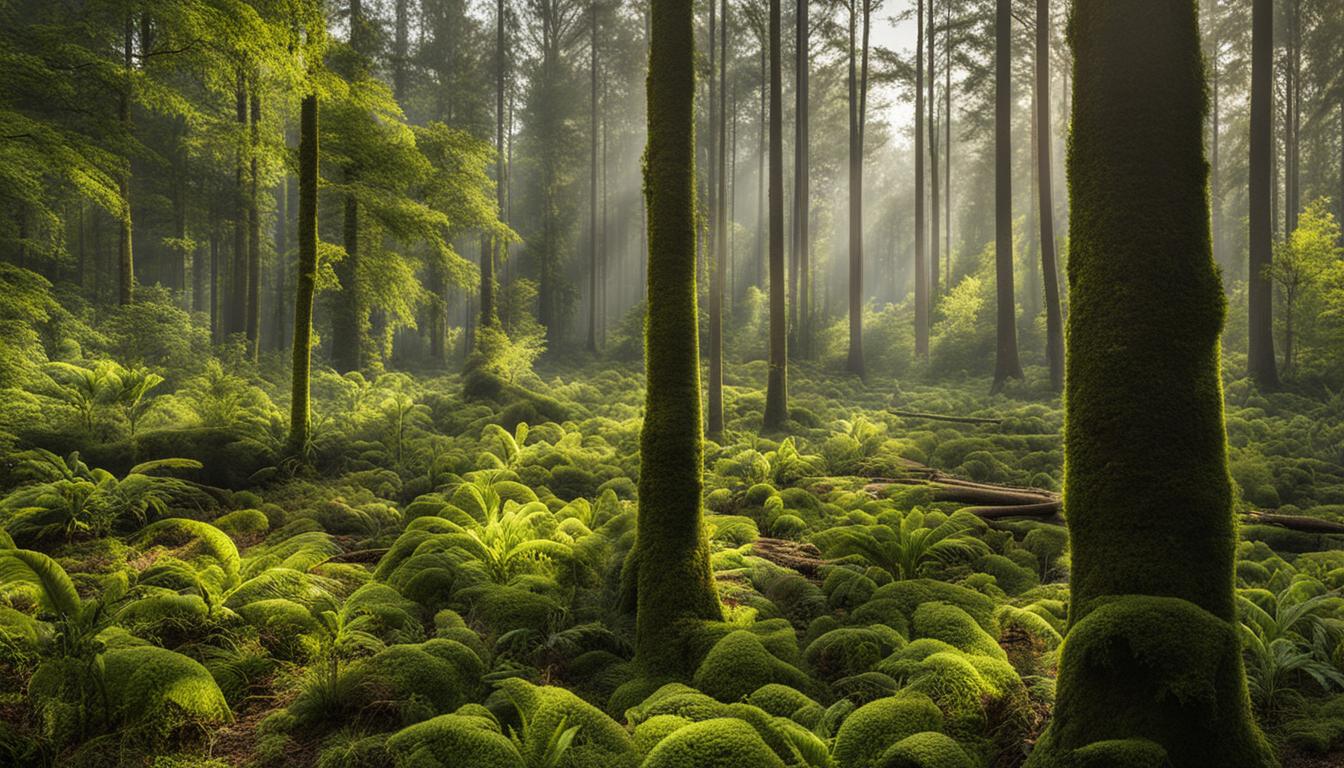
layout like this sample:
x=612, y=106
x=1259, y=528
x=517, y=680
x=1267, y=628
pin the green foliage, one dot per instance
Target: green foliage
x=904, y=546
x=715, y=743
x=872, y=729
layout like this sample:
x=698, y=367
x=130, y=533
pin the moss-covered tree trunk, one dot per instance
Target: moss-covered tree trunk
x=1006, y=362
x=1260, y=331
x=1151, y=672
x=777, y=386
x=1054, y=325
x=306, y=275
x=674, y=583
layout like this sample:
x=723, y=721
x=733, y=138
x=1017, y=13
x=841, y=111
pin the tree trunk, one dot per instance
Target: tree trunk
x=801, y=183
x=1006, y=363
x=237, y=305
x=399, y=51
x=762, y=237
x=126, y=257
x=1054, y=324
x=776, y=391
x=346, y=309
x=254, y=235
x=1215, y=185
x=933, y=166
x=488, y=314
x=592, y=187
x=281, y=274
x=857, y=92
x=306, y=276
x=921, y=260
x=1260, y=350
x=947, y=150
x=1147, y=495
x=714, y=425
x=674, y=585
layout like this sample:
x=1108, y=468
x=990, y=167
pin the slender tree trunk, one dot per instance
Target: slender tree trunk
x=1006, y=363
x=776, y=391
x=1260, y=351
x=488, y=313
x=1215, y=131
x=254, y=235
x=802, y=202
x=217, y=322
x=306, y=276
x=714, y=427
x=947, y=130
x=762, y=236
x=399, y=51
x=126, y=257
x=1054, y=324
x=854, y=361
x=921, y=263
x=674, y=582
x=281, y=275
x=592, y=189
x=1293, y=120
x=347, y=307
x=237, y=303
x=934, y=290
x=1147, y=495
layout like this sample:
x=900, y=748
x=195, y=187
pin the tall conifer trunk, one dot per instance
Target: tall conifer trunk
x=1260, y=350
x=1006, y=363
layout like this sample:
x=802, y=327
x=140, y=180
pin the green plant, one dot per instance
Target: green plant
x=1287, y=638
x=69, y=498
x=903, y=546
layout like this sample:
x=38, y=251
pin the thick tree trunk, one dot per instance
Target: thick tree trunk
x=674, y=584
x=1054, y=323
x=1148, y=500
x=921, y=260
x=1006, y=363
x=776, y=390
x=306, y=276
x=1260, y=351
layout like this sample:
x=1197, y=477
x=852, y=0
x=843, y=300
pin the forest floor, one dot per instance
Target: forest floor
x=449, y=576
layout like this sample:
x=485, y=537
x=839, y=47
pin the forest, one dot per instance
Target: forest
x=534, y=384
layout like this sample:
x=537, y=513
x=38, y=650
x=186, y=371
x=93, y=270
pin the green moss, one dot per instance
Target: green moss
x=1169, y=675
x=873, y=728
x=655, y=729
x=779, y=700
x=955, y=627
x=912, y=593
x=159, y=690
x=926, y=750
x=850, y=650
x=716, y=743
x=448, y=741
x=846, y=588
x=603, y=741
x=1121, y=753
x=1008, y=574
x=244, y=523
x=738, y=664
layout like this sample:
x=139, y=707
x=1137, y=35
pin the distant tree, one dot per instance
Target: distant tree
x=714, y=423
x=1054, y=323
x=299, y=410
x=1260, y=352
x=674, y=583
x=1302, y=265
x=776, y=390
x=1146, y=488
x=921, y=263
x=1006, y=363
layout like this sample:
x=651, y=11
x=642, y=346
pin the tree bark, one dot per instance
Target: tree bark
x=126, y=256
x=1054, y=323
x=306, y=276
x=1006, y=363
x=254, y=233
x=801, y=183
x=592, y=185
x=714, y=425
x=776, y=391
x=933, y=164
x=1260, y=350
x=1147, y=494
x=674, y=584
x=237, y=304
x=921, y=263
x=854, y=362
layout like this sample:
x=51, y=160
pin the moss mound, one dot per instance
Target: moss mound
x=716, y=743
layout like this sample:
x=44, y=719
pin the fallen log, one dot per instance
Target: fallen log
x=1301, y=523
x=988, y=501
x=803, y=558
x=944, y=417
